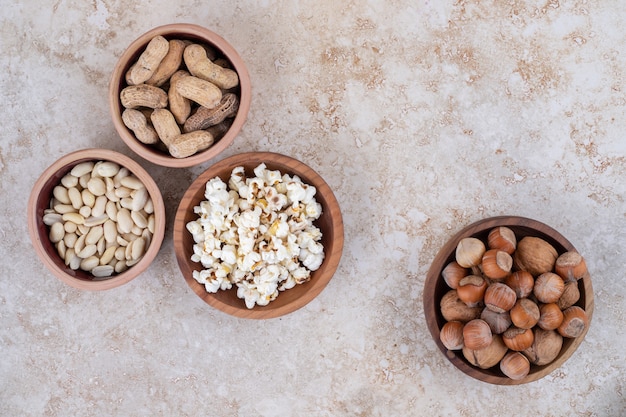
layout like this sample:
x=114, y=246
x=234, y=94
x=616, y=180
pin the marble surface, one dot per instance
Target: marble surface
x=423, y=116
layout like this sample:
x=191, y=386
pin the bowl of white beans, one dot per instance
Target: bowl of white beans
x=96, y=219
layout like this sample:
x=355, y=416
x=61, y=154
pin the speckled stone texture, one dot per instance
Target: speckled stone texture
x=423, y=117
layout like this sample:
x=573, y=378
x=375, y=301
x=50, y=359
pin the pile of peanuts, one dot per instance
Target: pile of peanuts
x=101, y=218
x=180, y=96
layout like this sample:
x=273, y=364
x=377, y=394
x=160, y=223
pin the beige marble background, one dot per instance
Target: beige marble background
x=423, y=116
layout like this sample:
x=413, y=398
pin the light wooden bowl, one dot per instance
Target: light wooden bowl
x=197, y=34
x=435, y=288
x=39, y=233
x=330, y=223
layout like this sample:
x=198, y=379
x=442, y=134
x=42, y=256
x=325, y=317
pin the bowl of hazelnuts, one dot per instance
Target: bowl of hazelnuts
x=179, y=95
x=508, y=300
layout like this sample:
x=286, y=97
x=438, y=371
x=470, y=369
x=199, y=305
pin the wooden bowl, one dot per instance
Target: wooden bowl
x=39, y=233
x=197, y=34
x=435, y=288
x=330, y=223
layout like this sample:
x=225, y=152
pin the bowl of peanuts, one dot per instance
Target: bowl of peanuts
x=508, y=300
x=179, y=95
x=258, y=235
x=96, y=219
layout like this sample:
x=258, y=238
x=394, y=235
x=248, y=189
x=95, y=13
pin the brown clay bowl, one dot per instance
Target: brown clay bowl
x=197, y=34
x=39, y=232
x=435, y=288
x=330, y=223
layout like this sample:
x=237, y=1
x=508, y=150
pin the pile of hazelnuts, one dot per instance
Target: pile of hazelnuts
x=510, y=303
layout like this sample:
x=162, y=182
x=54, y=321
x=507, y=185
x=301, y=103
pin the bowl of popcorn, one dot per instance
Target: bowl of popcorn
x=96, y=219
x=508, y=300
x=258, y=235
x=179, y=95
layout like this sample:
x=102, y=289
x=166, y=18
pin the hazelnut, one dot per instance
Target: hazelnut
x=550, y=316
x=499, y=297
x=453, y=273
x=487, y=357
x=469, y=252
x=570, y=296
x=525, y=313
x=545, y=348
x=502, y=238
x=498, y=322
x=548, y=287
x=453, y=308
x=451, y=335
x=518, y=339
x=570, y=266
x=515, y=365
x=575, y=322
x=534, y=255
x=496, y=264
x=472, y=289
x=522, y=282
x=477, y=334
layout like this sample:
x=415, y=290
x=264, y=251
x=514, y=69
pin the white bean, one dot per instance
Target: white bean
x=97, y=186
x=69, y=181
x=83, y=180
x=138, y=248
x=100, y=218
x=124, y=221
x=51, y=218
x=64, y=208
x=75, y=197
x=109, y=184
x=123, y=172
x=100, y=246
x=111, y=210
x=139, y=219
x=101, y=271
x=70, y=239
x=82, y=169
x=149, y=206
x=99, y=206
x=95, y=220
x=74, y=262
x=88, y=198
x=151, y=223
x=127, y=203
x=81, y=229
x=80, y=243
x=60, y=193
x=88, y=251
x=89, y=263
x=120, y=253
x=120, y=266
x=108, y=169
x=131, y=181
x=110, y=231
x=69, y=227
x=94, y=235
x=75, y=218
x=57, y=232
x=69, y=254
x=107, y=255
x=85, y=211
x=140, y=198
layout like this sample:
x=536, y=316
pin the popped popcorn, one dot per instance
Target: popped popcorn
x=257, y=234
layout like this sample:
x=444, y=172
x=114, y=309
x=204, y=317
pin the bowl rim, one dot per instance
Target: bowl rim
x=331, y=260
x=35, y=217
x=431, y=302
x=116, y=81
